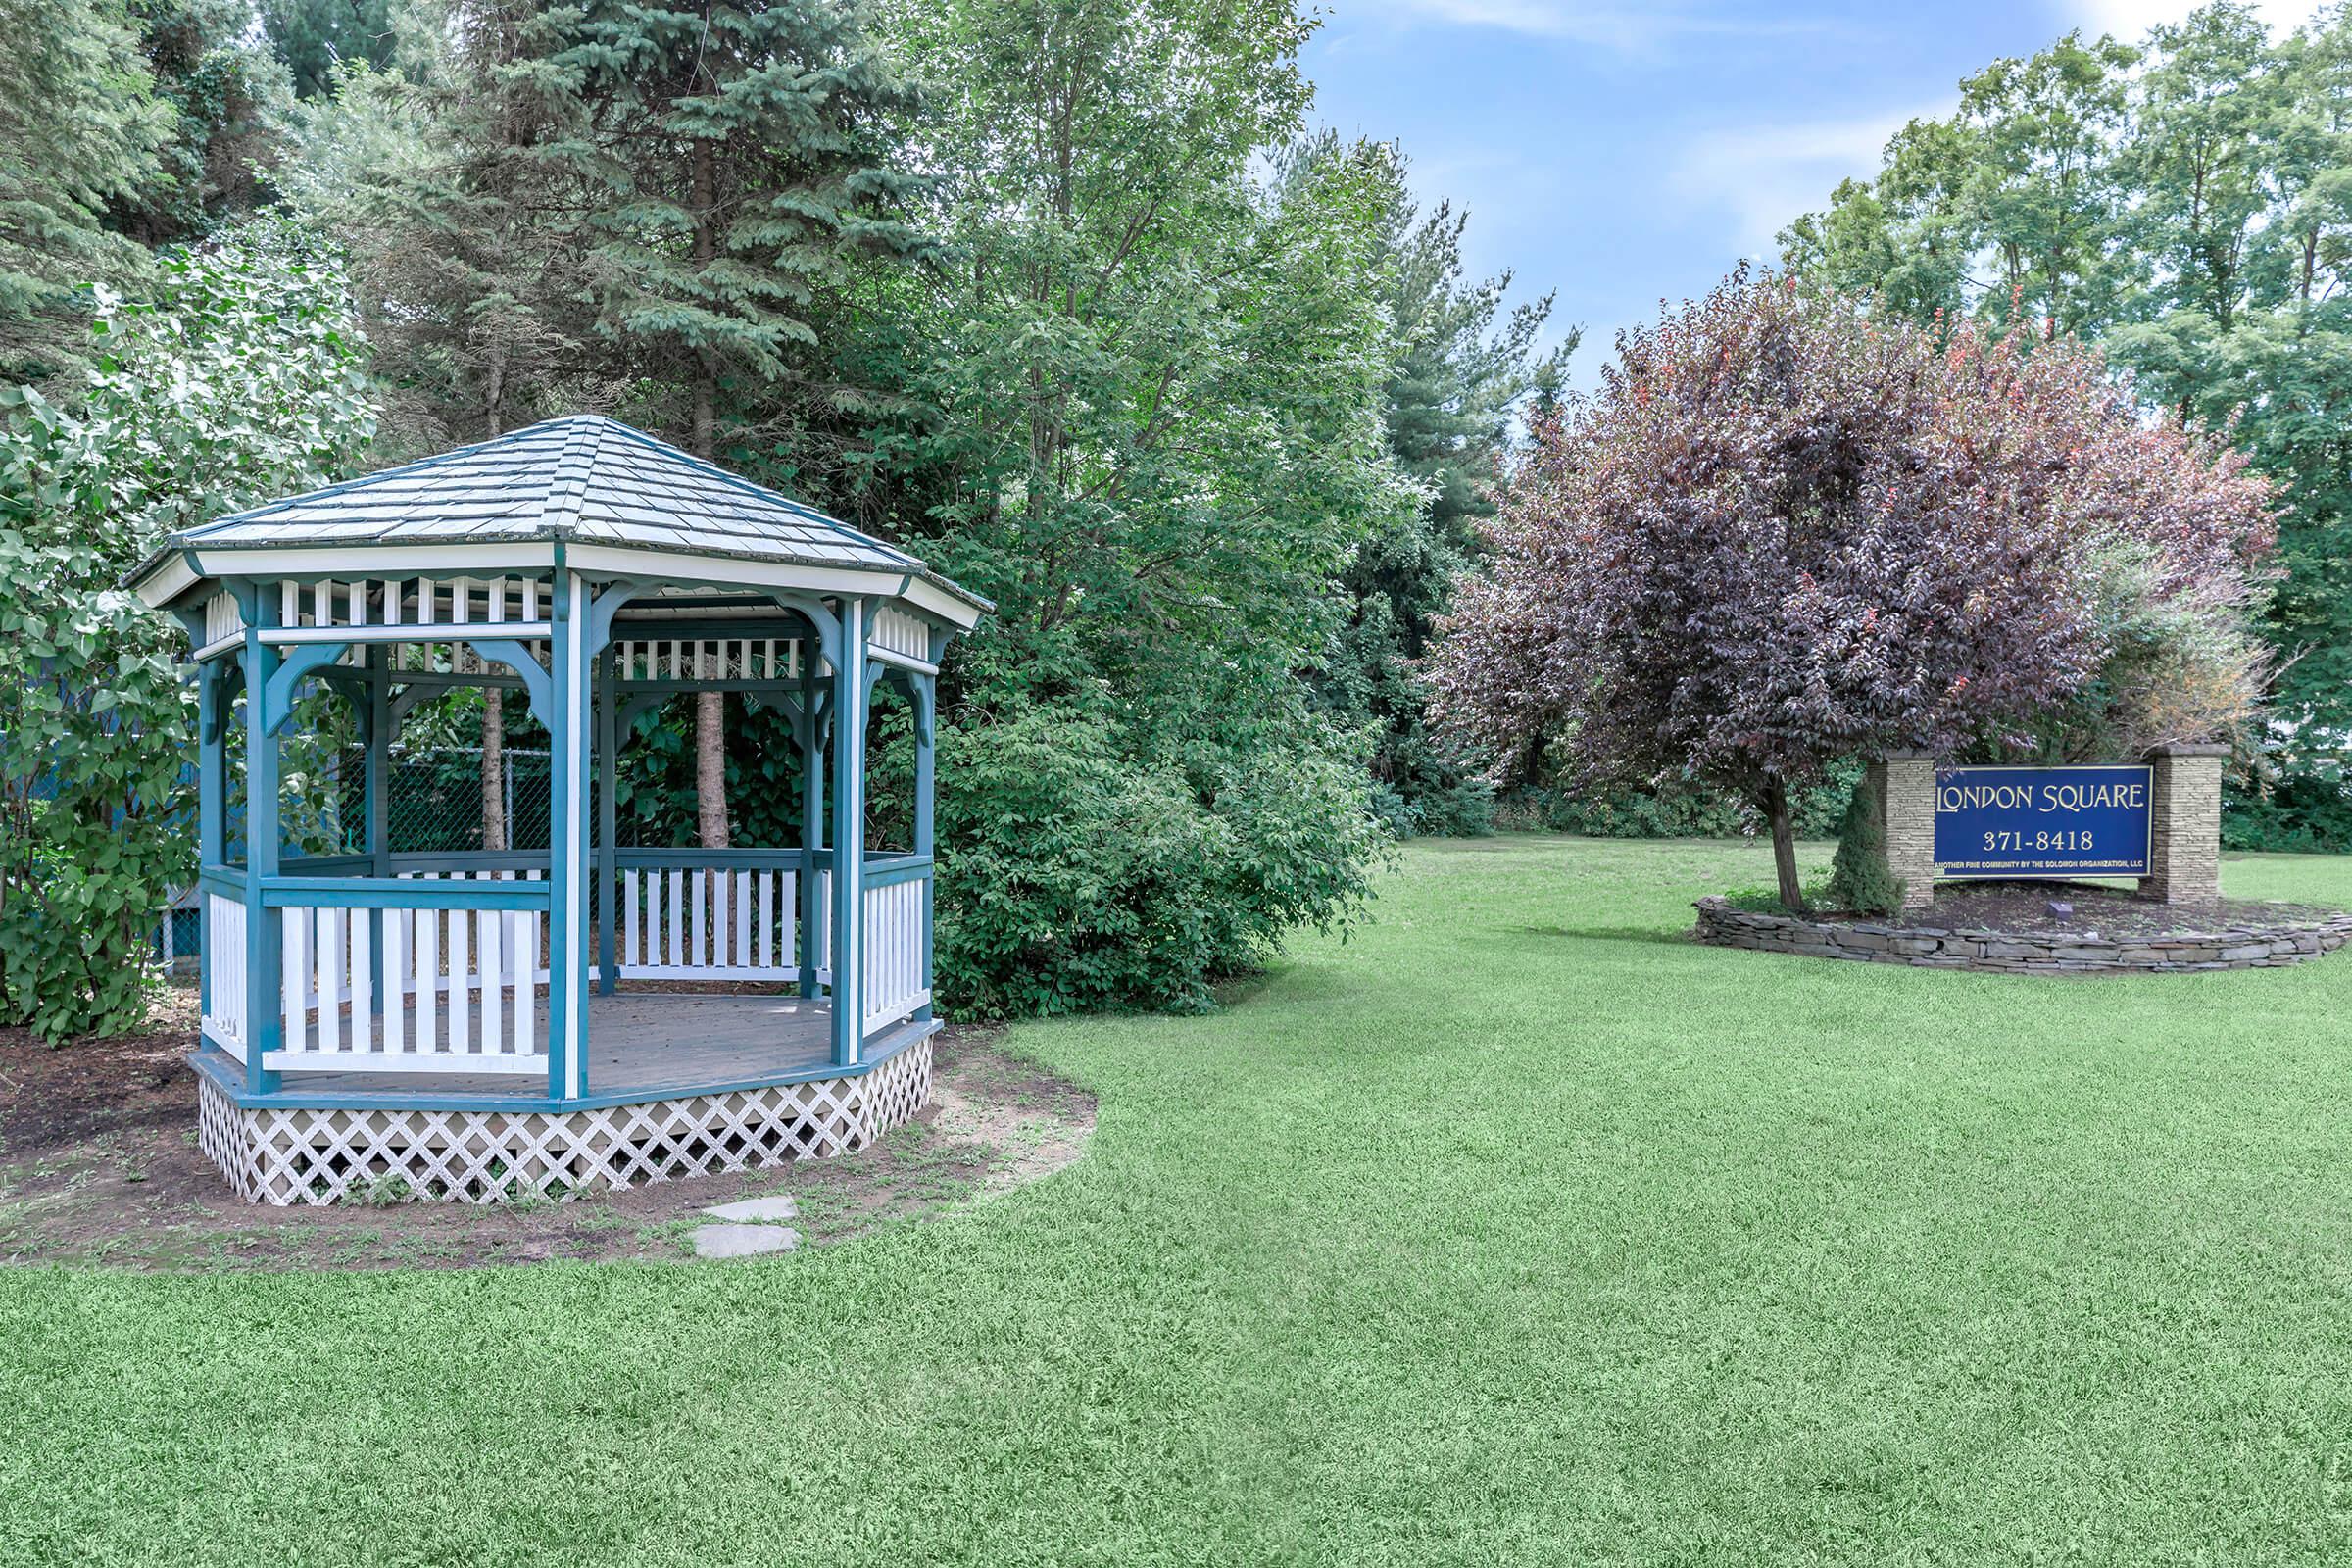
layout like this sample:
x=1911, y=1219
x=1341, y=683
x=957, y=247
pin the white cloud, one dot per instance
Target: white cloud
x=1632, y=29
x=2130, y=20
x=1764, y=175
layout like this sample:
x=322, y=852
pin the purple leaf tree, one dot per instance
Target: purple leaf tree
x=1783, y=532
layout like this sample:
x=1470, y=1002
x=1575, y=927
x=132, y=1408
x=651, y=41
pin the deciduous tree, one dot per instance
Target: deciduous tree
x=1785, y=532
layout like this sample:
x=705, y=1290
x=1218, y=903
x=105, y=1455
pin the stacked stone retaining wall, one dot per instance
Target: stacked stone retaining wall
x=1929, y=947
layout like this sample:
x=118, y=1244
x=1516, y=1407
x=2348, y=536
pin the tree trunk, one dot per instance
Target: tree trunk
x=1783, y=843
x=494, y=768
x=710, y=768
x=710, y=707
x=494, y=700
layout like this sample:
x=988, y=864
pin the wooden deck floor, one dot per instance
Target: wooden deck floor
x=641, y=1040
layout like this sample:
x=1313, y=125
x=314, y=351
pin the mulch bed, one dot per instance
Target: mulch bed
x=99, y=1165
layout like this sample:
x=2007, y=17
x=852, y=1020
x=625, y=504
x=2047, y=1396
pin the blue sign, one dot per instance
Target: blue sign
x=2042, y=821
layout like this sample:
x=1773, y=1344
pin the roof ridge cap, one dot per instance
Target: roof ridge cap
x=575, y=465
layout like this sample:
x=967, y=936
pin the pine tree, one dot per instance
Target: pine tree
x=729, y=169
x=229, y=95
x=80, y=129
x=1454, y=383
x=316, y=38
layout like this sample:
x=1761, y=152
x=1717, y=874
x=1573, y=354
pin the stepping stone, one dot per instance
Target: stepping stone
x=767, y=1210
x=743, y=1241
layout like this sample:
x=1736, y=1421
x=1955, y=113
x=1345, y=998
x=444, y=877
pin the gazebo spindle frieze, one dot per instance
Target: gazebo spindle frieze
x=357, y=1007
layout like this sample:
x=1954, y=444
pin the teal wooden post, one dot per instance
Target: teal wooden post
x=380, y=727
x=607, y=765
x=568, y=877
x=926, y=691
x=812, y=817
x=849, y=838
x=378, y=730
x=211, y=809
x=265, y=978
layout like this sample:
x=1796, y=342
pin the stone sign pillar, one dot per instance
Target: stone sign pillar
x=1904, y=783
x=2185, y=824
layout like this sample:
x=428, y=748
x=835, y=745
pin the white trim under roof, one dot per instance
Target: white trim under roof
x=171, y=575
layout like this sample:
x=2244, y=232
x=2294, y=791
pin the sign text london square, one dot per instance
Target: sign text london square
x=2043, y=821
x=2159, y=822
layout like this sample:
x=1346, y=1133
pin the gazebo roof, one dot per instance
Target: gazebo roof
x=582, y=479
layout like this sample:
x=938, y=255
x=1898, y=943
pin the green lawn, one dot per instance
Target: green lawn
x=1512, y=1230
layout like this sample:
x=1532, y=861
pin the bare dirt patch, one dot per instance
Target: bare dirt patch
x=99, y=1165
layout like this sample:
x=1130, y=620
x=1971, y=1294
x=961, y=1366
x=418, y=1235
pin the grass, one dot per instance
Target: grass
x=1512, y=1230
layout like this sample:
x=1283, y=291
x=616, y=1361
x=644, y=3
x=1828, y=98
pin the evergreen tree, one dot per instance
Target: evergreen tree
x=229, y=95
x=316, y=38
x=1455, y=380
x=80, y=130
x=728, y=167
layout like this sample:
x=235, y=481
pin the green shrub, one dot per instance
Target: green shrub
x=1073, y=876
x=1858, y=876
x=1677, y=810
x=2307, y=812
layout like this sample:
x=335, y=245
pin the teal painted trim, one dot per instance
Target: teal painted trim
x=516, y=658
x=822, y=621
x=570, y=735
x=812, y=828
x=221, y=880
x=264, y=955
x=221, y=1067
x=608, y=829
x=892, y=876
x=211, y=766
x=664, y=626
x=370, y=893
x=742, y=859
x=277, y=697
x=930, y=908
x=849, y=838
x=381, y=731
x=352, y=689
x=324, y=865
x=420, y=682
x=633, y=709
x=471, y=860
x=667, y=687
x=606, y=605
x=926, y=691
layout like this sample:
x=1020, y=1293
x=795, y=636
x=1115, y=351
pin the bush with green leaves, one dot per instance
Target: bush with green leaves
x=237, y=380
x=1859, y=879
x=1075, y=877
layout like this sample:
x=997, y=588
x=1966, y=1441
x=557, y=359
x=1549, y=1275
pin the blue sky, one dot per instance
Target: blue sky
x=1618, y=152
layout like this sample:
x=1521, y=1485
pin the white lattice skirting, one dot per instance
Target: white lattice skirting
x=280, y=1156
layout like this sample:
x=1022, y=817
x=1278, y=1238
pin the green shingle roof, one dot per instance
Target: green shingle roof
x=582, y=478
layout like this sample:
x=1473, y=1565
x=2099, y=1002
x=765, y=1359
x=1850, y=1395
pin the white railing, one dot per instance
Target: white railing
x=711, y=924
x=895, y=982
x=224, y=973
x=442, y=985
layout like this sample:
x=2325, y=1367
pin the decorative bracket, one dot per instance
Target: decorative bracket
x=213, y=697
x=605, y=604
x=826, y=624
x=516, y=657
x=635, y=707
x=299, y=663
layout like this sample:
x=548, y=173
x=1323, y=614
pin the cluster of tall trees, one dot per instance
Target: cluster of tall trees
x=1063, y=294
x=2185, y=203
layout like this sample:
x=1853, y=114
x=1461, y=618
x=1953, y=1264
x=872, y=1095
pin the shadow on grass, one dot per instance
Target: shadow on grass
x=1610, y=933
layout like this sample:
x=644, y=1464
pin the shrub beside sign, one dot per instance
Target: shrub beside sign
x=2042, y=821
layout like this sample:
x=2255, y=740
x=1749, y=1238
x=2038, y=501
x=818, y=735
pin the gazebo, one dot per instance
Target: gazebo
x=483, y=1023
